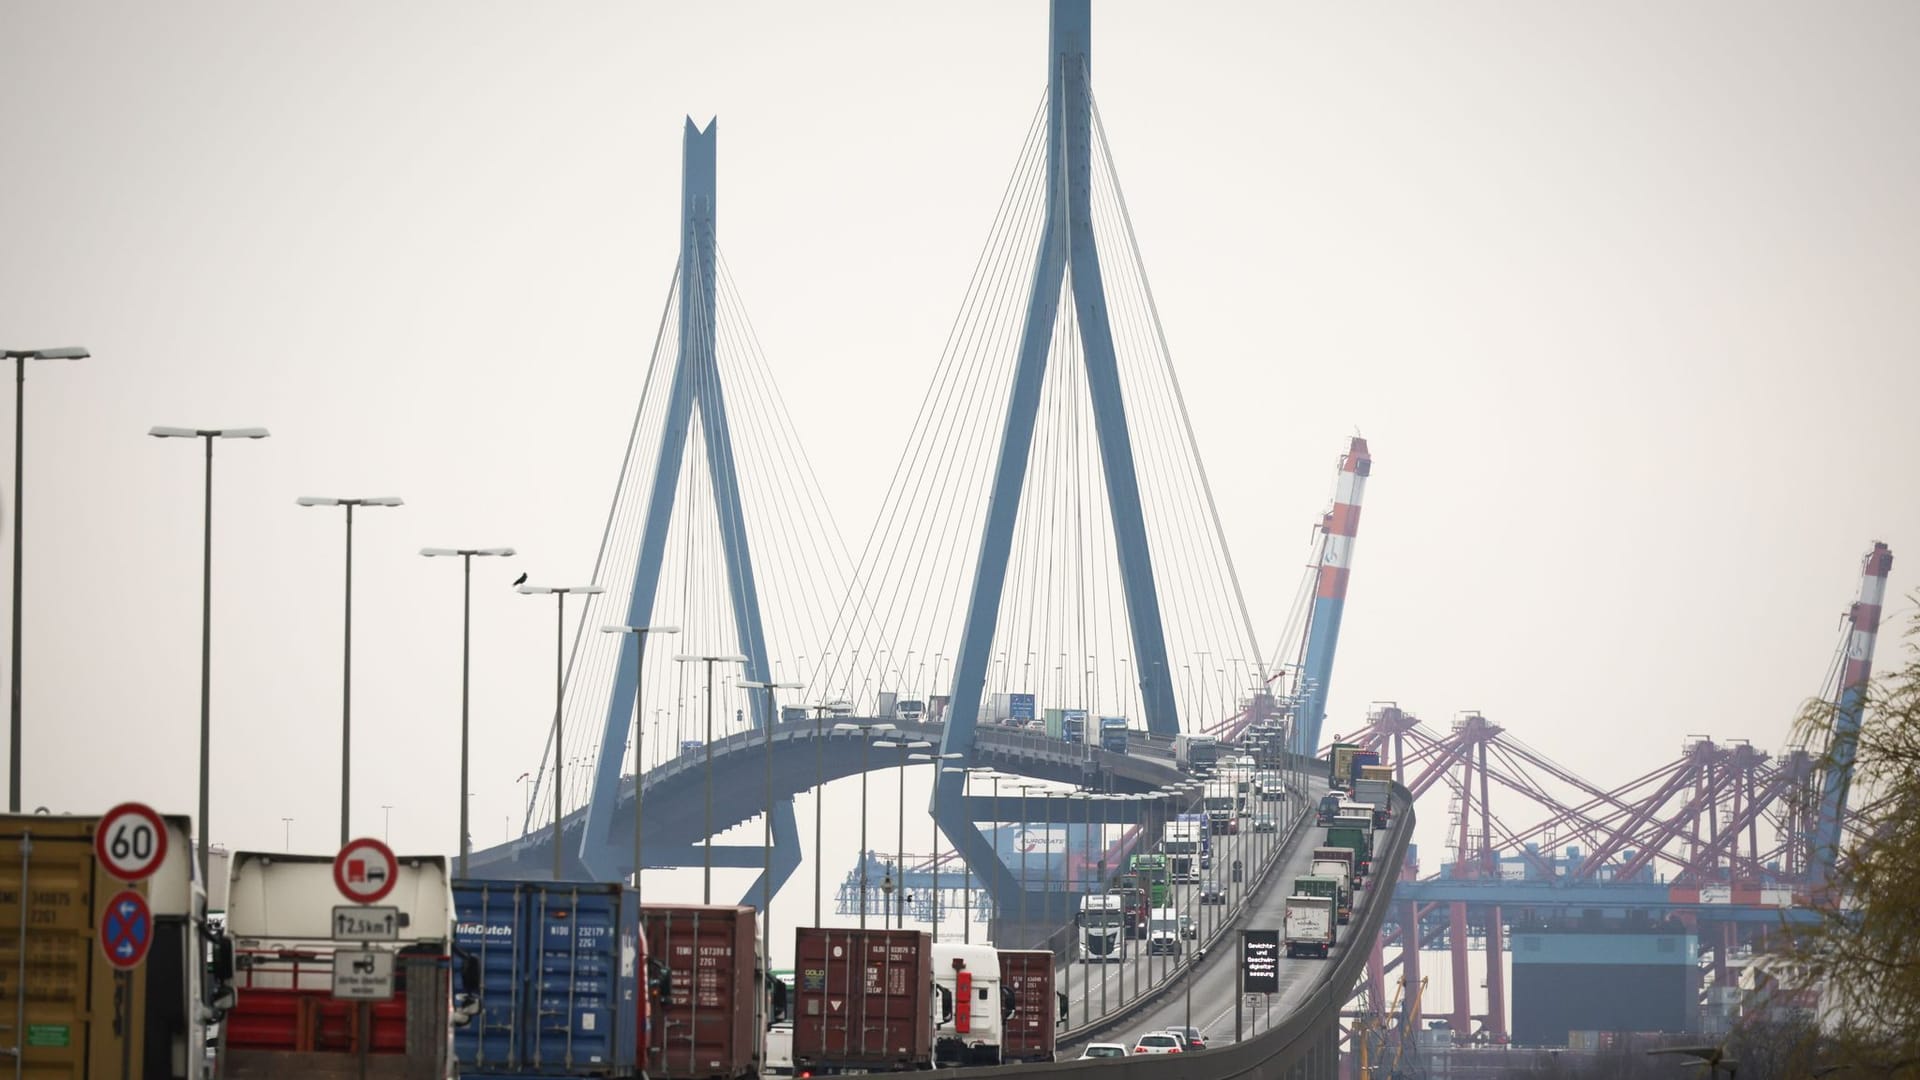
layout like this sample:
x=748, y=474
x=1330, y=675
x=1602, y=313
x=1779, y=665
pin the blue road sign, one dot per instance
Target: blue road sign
x=126, y=929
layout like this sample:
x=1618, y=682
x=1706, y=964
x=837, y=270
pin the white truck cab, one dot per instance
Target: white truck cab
x=972, y=1035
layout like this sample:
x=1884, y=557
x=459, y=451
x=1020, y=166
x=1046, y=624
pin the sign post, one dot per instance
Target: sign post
x=1258, y=971
x=365, y=871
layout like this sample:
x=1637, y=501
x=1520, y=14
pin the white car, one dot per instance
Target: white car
x=1158, y=1042
x=1103, y=1050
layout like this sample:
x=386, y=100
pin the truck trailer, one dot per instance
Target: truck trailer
x=864, y=1000
x=1309, y=926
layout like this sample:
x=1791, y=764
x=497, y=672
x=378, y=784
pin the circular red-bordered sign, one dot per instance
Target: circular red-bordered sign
x=131, y=841
x=365, y=870
x=126, y=930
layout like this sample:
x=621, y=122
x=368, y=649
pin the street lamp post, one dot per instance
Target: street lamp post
x=935, y=819
x=866, y=744
x=706, y=846
x=559, y=593
x=466, y=556
x=819, y=801
x=900, y=840
x=639, y=731
x=766, y=855
x=1025, y=844
x=206, y=612
x=20, y=358
x=286, y=841
x=966, y=792
x=346, y=673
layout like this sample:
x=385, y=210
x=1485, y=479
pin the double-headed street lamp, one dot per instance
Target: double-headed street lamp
x=934, y=759
x=466, y=556
x=867, y=732
x=953, y=770
x=766, y=853
x=206, y=611
x=639, y=730
x=706, y=846
x=20, y=358
x=346, y=671
x=900, y=841
x=559, y=593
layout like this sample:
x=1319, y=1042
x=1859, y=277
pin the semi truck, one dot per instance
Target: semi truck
x=1333, y=888
x=1337, y=870
x=1355, y=832
x=1340, y=763
x=1113, y=734
x=1343, y=855
x=973, y=1033
x=1073, y=725
x=562, y=990
x=1183, y=842
x=705, y=991
x=864, y=1001
x=1377, y=794
x=1196, y=753
x=54, y=896
x=1032, y=1026
x=1308, y=926
x=1102, y=920
x=288, y=1017
x=1153, y=876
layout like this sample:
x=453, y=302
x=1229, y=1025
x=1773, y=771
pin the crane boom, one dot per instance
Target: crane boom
x=1338, y=529
x=1863, y=625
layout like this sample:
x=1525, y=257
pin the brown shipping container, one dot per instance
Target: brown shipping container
x=1030, y=1033
x=707, y=1026
x=862, y=999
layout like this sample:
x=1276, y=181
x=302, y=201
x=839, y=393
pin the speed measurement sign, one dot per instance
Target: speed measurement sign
x=131, y=841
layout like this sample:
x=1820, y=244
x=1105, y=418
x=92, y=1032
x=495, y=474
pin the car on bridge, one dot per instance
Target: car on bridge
x=1266, y=823
x=1157, y=1042
x=1103, y=1050
x=1191, y=1038
x=1212, y=893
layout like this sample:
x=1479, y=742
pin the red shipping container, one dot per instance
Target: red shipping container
x=863, y=999
x=1028, y=976
x=706, y=1029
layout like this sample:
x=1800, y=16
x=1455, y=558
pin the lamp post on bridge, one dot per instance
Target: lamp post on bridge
x=966, y=793
x=706, y=846
x=933, y=759
x=559, y=593
x=639, y=734
x=900, y=845
x=206, y=618
x=346, y=677
x=867, y=732
x=1026, y=844
x=466, y=556
x=953, y=770
x=766, y=856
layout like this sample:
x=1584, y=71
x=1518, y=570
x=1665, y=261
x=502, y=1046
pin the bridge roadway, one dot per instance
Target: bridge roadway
x=805, y=753
x=1294, y=1035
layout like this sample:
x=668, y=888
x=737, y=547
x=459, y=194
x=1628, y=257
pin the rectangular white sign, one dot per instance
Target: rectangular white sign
x=353, y=922
x=362, y=975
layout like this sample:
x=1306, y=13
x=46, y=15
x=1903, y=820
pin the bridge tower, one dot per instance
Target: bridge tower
x=695, y=384
x=1067, y=260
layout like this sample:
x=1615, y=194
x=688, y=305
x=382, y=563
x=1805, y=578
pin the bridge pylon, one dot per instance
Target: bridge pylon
x=695, y=385
x=1068, y=259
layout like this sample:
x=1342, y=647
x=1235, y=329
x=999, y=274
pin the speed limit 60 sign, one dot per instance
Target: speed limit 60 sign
x=131, y=841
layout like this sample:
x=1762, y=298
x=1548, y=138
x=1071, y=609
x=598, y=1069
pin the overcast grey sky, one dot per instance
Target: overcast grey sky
x=1621, y=294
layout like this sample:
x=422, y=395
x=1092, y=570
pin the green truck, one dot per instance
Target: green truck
x=1354, y=832
x=1332, y=888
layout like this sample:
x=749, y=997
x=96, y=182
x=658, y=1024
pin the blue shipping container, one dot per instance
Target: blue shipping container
x=559, y=996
